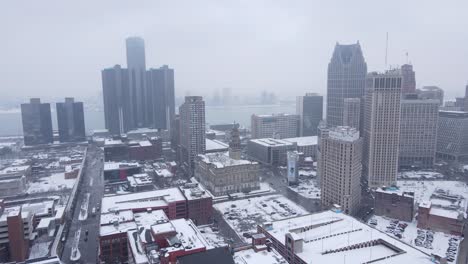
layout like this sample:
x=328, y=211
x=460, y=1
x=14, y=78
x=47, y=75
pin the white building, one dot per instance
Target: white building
x=275, y=125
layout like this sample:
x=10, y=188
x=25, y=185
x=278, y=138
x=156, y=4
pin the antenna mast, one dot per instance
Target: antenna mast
x=386, y=51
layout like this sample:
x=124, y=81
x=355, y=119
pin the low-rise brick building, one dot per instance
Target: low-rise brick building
x=390, y=202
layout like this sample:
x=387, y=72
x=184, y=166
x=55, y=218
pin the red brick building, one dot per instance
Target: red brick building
x=392, y=203
x=14, y=237
x=439, y=219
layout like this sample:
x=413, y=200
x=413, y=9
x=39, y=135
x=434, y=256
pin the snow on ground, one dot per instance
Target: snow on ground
x=424, y=189
x=438, y=246
x=54, y=182
x=249, y=256
x=415, y=175
x=39, y=250
x=244, y=215
x=308, y=186
x=212, y=236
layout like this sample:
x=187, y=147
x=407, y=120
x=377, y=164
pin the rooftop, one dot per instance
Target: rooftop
x=327, y=236
x=344, y=133
x=222, y=159
x=141, y=200
x=303, y=141
x=193, y=191
x=117, y=165
x=213, y=145
x=271, y=142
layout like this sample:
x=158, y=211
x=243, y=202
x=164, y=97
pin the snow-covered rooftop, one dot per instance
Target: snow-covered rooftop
x=303, y=141
x=213, y=145
x=327, y=235
x=141, y=200
x=118, y=165
x=344, y=133
x=271, y=142
x=222, y=159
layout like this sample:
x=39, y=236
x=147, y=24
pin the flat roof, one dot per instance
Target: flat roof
x=212, y=145
x=326, y=231
x=222, y=159
x=303, y=141
x=141, y=200
x=117, y=165
x=271, y=142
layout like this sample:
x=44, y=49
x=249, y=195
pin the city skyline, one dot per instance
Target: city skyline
x=293, y=42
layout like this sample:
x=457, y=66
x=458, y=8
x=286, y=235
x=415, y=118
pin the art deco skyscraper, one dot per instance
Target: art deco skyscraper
x=310, y=110
x=340, y=168
x=382, y=128
x=192, y=130
x=346, y=79
x=136, y=65
x=37, y=123
x=70, y=120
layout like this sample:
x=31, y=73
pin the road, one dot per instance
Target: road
x=92, y=186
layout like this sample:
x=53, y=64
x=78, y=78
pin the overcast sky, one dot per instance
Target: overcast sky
x=58, y=48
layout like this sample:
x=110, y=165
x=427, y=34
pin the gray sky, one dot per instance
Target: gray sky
x=57, y=48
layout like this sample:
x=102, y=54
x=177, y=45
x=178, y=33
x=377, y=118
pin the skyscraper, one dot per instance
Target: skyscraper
x=408, y=79
x=382, y=128
x=192, y=130
x=118, y=110
x=275, y=125
x=160, y=97
x=70, y=120
x=37, y=123
x=346, y=79
x=418, y=132
x=136, y=65
x=310, y=110
x=431, y=92
x=352, y=112
x=340, y=166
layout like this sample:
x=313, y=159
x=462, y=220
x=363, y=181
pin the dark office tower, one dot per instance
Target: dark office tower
x=137, y=67
x=408, y=81
x=118, y=113
x=70, y=120
x=346, y=79
x=192, y=130
x=310, y=110
x=37, y=123
x=160, y=98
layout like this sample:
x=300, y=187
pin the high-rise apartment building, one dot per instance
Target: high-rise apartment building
x=136, y=65
x=382, y=128
x=418, y=132
x=275, y=126
x=431, y=92
x=70, y=120
x=37, y=123
x=352, y=112
x=346, y=79
x=452, y=136
x=118, y=111
x=160, y=98
x=408, y=79
x=192, y=130
x=310, y=110
x=340, y=166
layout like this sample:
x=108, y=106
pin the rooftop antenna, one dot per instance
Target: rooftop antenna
x=386, y=51
x=407, y=60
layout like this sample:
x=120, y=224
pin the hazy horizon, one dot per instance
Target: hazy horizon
x=57, y=49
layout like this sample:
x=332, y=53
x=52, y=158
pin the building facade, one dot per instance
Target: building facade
x=70, y=120
x=346, y=79
x=37, y=123
x=270, y=151
x=118, y=111
x=310, y=111
x=382, y=128
x=431, y=92
x=160, y=98
x=452, y=136
x=394, y=204
x=192, y=130
x=275, y=125
x=136, y=64
x=340, y=166
x=408, y=79
x=352, y=112
x=418, y=132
